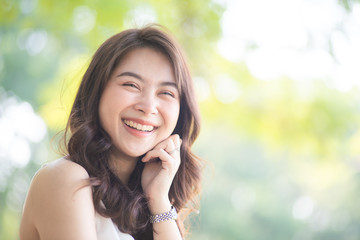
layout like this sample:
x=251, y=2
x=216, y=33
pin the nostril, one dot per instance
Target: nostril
x=147, y=107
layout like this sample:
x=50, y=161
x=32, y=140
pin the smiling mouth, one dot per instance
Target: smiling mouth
x=138, y=126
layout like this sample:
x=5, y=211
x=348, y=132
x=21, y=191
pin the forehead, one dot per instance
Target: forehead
x=147, y=62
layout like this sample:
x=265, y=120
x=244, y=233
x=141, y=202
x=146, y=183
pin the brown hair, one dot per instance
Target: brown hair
x=89, y=145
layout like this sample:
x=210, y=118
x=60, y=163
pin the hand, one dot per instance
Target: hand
x=162, y=163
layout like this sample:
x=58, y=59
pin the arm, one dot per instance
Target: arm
x=58, y=206
x=156, y=181
x=167, y=229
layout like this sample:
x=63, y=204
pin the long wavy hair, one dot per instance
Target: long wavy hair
x=87, y=144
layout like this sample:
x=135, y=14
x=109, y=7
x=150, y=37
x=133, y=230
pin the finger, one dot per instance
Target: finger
x=151, y=160
x=176, y=140
x=170, y=147
x=163, y=144
x=166, y=159
x=153, y=154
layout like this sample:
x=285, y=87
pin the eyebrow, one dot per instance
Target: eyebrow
x=134, y=75
x=131, y=74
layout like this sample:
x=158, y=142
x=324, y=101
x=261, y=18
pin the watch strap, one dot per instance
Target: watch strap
x=170, y=215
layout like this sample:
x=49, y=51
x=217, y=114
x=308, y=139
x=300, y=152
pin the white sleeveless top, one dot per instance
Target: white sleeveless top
x=107, y=230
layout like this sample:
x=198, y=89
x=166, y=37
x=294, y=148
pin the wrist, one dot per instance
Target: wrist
x=157, y=206
x=165, y=216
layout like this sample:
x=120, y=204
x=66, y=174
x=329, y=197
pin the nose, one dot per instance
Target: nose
x=147, y=104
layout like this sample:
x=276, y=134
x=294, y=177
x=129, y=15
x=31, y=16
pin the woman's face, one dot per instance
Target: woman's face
x=140, y=104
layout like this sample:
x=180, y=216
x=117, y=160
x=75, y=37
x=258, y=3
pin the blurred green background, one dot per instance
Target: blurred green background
x=278, y=86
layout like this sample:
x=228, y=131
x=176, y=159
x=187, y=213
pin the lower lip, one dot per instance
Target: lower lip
x=137, y=132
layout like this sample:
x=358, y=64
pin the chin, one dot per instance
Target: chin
x=136, y=152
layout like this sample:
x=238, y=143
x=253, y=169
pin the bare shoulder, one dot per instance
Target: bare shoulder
x=61, y=168
x=60, y=181
x=59, y=199
x=58, y=177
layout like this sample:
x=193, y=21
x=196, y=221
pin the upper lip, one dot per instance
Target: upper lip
x=142, y=122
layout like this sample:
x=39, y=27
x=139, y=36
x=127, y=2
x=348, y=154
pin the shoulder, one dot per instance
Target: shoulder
x=59, y=180
x=59, y=176
x=59, y=198
x=61, y=168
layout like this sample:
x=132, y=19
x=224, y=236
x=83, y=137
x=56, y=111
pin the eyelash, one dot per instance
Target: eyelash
x=168, y=93
x=130, y=85
x=135, y=86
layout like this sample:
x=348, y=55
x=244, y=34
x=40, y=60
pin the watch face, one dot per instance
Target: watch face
x=174, y=213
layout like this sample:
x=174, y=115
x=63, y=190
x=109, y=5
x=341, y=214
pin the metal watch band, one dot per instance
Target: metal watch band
x=170, y=215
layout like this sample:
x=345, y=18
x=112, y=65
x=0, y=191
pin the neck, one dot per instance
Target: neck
x=122, y=166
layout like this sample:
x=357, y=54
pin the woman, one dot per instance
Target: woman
x=128, y=168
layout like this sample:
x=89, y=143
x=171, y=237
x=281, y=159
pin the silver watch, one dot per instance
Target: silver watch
x=170, y=215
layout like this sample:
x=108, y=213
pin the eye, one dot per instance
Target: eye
x=168, y=93
x=132, y=85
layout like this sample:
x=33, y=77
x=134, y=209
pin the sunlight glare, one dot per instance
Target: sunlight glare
x=303, y=208
x=36, y=42
x=84, y=19
x=19, y=152
x=227, y=90
x=140, y=16
x=292, y=40
x=202, y=88
x=25, y=122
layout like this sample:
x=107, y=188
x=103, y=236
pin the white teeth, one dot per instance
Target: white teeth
x=138, y=126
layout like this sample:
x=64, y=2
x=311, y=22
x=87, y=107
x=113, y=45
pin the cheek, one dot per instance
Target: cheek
x=107, y=113
x=173, y=116
x=170, y=114
x=105, y=119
